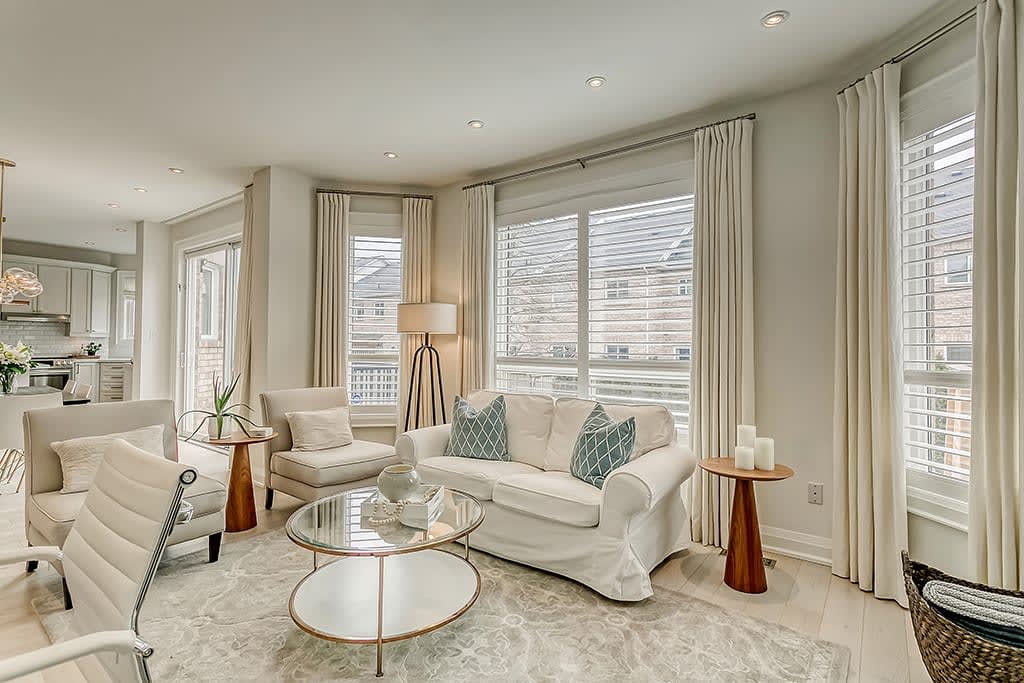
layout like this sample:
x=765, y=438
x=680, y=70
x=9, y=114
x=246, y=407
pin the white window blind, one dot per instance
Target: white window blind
x=937, y=226
x=619, y=341
x=375, y=290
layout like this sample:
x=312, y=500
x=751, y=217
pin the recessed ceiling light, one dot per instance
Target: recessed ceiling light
x=475, y=123
x=113, y=205
x=596, y=81
x=175, y=170
x=390, y=155
x=773, y=19
x=90, y=244
x=120, y=229
x=140, y=189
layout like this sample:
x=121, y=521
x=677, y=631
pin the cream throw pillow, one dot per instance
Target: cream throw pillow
x=316, y=430
x=80, y=458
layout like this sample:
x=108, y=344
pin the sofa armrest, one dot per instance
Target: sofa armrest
x=420, y=444
x=639, y=485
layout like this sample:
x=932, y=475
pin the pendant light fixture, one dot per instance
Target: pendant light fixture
x=14, y=281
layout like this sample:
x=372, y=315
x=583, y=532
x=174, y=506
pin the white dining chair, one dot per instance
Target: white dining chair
x=12, y=432
x=130, y=484
x=82, y=390
x=70, y=387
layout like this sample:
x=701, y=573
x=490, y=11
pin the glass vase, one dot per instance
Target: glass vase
x=7, y=383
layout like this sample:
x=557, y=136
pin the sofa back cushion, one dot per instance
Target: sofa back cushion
x=654, y=428
x=527, y=421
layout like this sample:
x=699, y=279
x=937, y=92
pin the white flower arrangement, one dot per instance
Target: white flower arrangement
x=14, y=360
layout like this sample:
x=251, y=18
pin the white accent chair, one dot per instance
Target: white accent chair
x=108, y=564
x=12, y=434
x=50, y=514
x=538, y=514
x=312, y=475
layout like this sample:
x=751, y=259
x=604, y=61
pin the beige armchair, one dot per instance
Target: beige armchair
x=105, y=643
x=50, y=514
x=311, y=475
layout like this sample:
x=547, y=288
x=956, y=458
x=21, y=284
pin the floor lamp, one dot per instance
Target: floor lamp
x=425, y=319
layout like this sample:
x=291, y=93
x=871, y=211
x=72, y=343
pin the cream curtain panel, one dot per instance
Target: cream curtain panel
x=243, y=309
x=332, y=236
x=416, y=234
x=869, y=519
x=475, y=300
x=722, y=371
x=995, y=517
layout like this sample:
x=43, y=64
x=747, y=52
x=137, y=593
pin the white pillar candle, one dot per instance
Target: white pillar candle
x=744, y=458
x=745, y=435
x=764, y=453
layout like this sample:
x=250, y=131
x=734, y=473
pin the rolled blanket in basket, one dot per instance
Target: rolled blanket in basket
x=990, y=615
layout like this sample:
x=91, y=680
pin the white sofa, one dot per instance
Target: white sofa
x=540, y=515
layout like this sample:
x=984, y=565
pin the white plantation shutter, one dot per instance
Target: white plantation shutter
x=597, y=302
x=938, y=223
x=375, y=290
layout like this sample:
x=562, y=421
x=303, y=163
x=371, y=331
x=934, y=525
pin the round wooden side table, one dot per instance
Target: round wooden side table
x=744, y=563
x=240, y=512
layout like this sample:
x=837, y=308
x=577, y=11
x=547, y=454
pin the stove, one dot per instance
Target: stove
x=51, y=371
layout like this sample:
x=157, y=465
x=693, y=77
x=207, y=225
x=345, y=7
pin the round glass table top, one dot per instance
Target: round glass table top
x=336, y=526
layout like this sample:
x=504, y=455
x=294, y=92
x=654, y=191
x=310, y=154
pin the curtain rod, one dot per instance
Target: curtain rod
x=924, y=42
x=403, y=195
x=583, y=160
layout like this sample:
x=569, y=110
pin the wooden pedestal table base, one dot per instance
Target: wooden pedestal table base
x=240, y=512
x=744, y=563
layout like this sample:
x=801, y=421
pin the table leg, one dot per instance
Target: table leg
x=744, y=563
x=380, y=617
x=240, y=512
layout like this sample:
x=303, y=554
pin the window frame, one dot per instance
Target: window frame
x=587, y=361
x=124, y=295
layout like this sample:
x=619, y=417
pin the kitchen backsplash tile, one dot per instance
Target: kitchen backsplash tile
x=46, y=339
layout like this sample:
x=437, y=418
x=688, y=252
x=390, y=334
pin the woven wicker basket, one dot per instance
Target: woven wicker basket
x=953, y=654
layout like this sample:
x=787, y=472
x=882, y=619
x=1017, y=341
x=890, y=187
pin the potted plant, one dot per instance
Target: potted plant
x=14, y=360
x=224, y=412
x=92, y=348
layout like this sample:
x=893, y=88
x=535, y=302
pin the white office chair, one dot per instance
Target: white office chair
x=82, y=390
x=12, y=436
x=109, y=560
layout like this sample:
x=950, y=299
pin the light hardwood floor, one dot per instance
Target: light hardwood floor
x=801, y=595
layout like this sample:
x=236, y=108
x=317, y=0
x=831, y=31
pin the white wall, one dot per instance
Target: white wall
x=795, y=218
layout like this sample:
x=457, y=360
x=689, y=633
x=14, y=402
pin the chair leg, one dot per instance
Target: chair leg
x=270, y=499
x=67, y=594
x=215, y=546
x=31, y=566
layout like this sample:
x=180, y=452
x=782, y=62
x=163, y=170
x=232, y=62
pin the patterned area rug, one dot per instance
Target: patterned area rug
x=229, y=621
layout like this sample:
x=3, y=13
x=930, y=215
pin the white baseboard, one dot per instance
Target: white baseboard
x=817, y=549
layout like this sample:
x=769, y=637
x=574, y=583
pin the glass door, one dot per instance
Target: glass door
x=210, y=296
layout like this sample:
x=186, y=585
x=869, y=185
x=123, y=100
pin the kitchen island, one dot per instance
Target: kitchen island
x=69, y=399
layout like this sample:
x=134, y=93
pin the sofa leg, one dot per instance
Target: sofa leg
x=67, y=594
x=215, y=546
x=31, y=566
x=270, y=499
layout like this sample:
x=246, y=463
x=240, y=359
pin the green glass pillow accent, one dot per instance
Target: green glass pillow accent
x=602, y=446
x=480, y=433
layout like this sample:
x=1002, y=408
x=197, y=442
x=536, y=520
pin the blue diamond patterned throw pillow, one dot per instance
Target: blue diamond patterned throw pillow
x=478, y=433
x=602, y=446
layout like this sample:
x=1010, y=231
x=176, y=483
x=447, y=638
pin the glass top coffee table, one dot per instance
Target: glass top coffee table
x=354, y=600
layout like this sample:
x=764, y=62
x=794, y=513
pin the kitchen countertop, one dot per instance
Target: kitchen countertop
x=86, y=359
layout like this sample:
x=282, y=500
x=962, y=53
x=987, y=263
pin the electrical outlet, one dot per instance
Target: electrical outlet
x=815, y=493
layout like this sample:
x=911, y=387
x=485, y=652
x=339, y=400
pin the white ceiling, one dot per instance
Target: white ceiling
x=104, y=95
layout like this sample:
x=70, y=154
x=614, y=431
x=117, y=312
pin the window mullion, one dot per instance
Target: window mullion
x=583, y=303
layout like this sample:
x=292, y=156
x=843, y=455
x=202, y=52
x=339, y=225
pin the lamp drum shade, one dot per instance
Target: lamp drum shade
x=428, y=318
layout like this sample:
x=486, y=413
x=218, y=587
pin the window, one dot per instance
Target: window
x=209, y=300
x=617, y=289
x=686, y=287
x=616, y=352
x=555, y=291
x=683, y=353
x=958, y=269
x=937, y=226
x=375, y=282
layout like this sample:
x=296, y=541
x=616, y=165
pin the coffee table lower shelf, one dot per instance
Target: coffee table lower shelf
x=422, y=591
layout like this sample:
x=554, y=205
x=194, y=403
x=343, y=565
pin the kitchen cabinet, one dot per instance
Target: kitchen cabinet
x=56, y=296
x=20, y=307
x=90, y=303
x=88, y=372
x=115, y=381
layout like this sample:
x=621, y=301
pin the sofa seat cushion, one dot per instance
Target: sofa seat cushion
x=557, y=496
x=53, y=513
x=475, y=477
x=331, y=466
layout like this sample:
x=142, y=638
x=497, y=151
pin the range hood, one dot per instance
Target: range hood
x=30, y=317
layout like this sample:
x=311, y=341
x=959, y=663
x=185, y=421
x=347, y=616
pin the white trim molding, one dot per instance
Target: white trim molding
x=938, y=508
x=817, y=549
